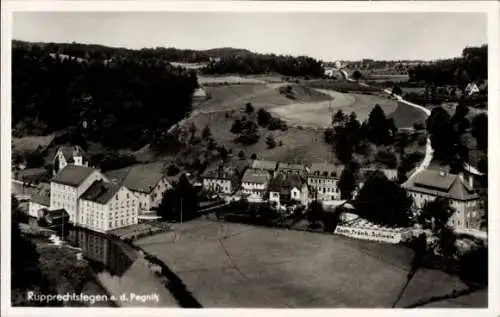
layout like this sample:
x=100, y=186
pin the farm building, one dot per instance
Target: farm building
x=254, y=183
x=323, y=178
x=287, y=188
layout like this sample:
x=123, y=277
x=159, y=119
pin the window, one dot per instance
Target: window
x=128, y=196
x=116, y=197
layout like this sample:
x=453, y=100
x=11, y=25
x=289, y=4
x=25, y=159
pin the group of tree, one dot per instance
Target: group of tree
x=319, y=217
x=447, y=135
x=179, y=203
x=384, y=202
x=471, y=66
x=266, y=63
x=120, y=101
x=266, y=120
x=26, y=274
x=349, y=136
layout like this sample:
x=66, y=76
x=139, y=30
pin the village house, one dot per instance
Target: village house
x=263, y=165
x=39, y=201
x=145, y=181
x=73, y=155
x=69, y=185
x=288, y=188
x=428, y=185
x=254, y=183
x=323, y=179
x=220, y=179
x=105, y=206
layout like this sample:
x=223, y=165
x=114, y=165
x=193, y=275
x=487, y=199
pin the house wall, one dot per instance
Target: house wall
x=33, y=209
x=326, y=187
x=466, y=215
x=144, y=200
x=62, y=160
x=64, y=196
x=274, y=197
x=158, y=191
x=218, y=185
x=120, y=211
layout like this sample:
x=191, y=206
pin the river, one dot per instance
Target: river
x=121, y=270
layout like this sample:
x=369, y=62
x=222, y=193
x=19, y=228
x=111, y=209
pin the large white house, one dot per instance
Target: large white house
x=254, y=183
x=323, y=179
x=288, y=188
x=73, y=155
x=105, y=206
x=146, y=181
x=67, y=187
x=428, y=185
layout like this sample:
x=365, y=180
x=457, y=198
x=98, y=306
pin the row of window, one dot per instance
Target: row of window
x=321, y=181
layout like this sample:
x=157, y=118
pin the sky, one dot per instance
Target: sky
x=327, y=36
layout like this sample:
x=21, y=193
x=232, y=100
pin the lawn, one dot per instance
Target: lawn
x=405, y=116
x=318, y=114
x=234, y=265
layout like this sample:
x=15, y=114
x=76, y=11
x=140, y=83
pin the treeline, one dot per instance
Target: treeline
x=266, y=63
x=123, y=101
x=471, y=66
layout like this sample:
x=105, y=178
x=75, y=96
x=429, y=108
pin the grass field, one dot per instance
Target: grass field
x=234, y=265
x=318, y=114
x=231, y=79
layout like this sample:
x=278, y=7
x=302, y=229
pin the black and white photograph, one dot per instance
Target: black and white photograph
x=247, y=159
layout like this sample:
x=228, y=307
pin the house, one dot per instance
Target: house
x=291, y=168
x=254, y=183
x=68, y=185
x=65, y=155
x=220, y=179
x=287, y=188
x=39, y=201
x=471, y=89
x=263, y=165
x=106, y=206
x=57, y=217
x=323, y=179
x=428, y=185
x=146, y=181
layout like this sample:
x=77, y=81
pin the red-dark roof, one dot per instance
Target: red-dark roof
x=442, y=184
x=73, y=175
x=101, y=192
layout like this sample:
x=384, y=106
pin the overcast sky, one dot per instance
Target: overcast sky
x=327, y=36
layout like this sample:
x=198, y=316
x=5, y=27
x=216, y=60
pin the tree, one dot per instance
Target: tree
x=237, y=126
x=356, y=75
x=263, y=117
x=249, y=108
x=172, y=170
x=206, y=133
x=339, y=118
x=180, y=202
x=442, y=134
x=480, y=131
x=347, y=183
x=384, y=202
x=241, y=154
x=378, y=126
x=315, y=213
x=253, y=156
x=396, y=90
x=435, y=216
x=271, y=142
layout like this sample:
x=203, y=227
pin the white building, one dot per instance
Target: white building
x=471, y=89
x=105, y=206
x=430, y=184
x=73, y=155
x=323, y=179
x=146, y=181
x=254, y=183
x=220, y=179
x=288, y=188
x=67, y=187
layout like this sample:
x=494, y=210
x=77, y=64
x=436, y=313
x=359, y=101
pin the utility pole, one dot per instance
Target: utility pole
x=181, y=208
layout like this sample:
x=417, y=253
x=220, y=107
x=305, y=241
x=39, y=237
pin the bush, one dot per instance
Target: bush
x=271, y=142
x=253, y=156
x=249, y=108
x=241, y=154
x=387, y=158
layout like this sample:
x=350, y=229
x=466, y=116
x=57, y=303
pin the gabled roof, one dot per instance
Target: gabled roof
x=42, y=197
x=442, y=184
x=101, y=192
x=71, y=151
x=325, y=170
x=264, y=165
x=256, y=176
x=73, y=175
x=56, y=214
x=284, y=182
x=140, y=178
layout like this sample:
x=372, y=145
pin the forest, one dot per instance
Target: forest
x=471, y=66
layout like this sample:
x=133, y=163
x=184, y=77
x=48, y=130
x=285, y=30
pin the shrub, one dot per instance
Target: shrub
x=271, y=142
x=387, y=158
x=249, y=108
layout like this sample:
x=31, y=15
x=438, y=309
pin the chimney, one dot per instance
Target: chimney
x=471, y=181
x=442, y=173
x=461, y=175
